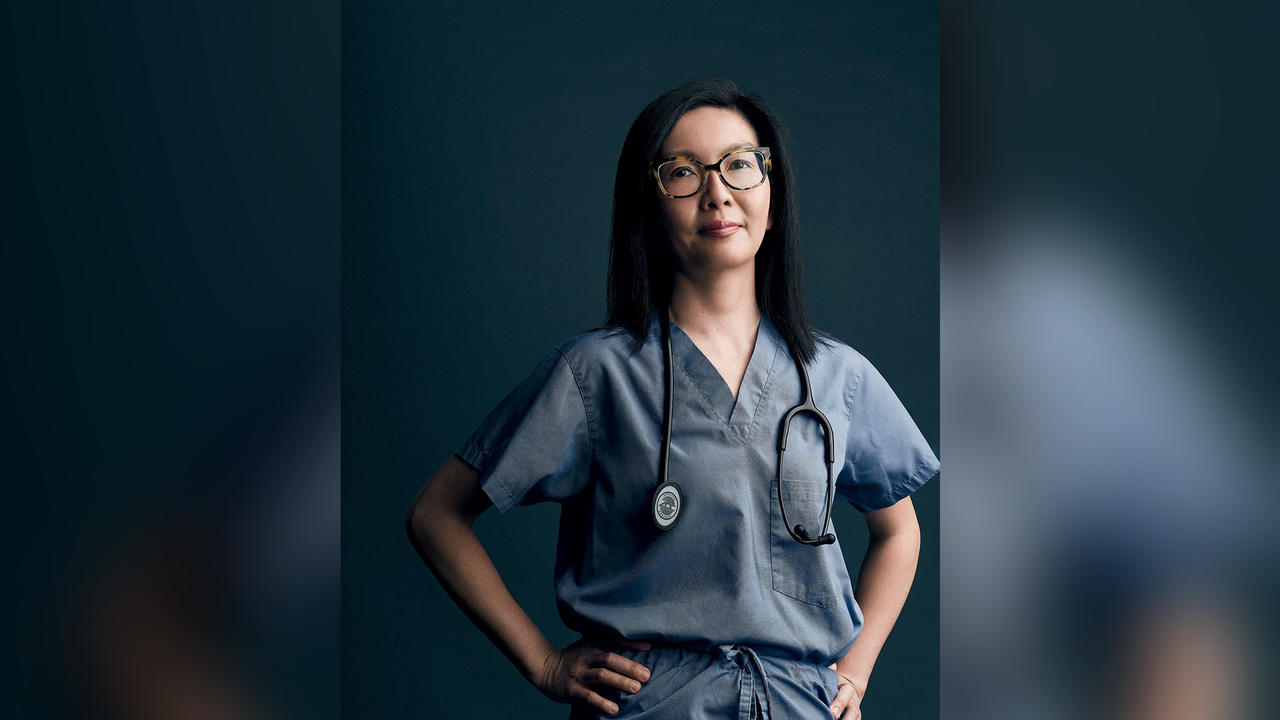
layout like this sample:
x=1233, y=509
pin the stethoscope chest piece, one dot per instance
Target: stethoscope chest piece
x=668, y=501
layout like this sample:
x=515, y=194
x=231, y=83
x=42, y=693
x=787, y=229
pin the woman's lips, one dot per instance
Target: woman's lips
x=721, y=231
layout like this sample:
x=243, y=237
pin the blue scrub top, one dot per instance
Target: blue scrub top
x=585, y=429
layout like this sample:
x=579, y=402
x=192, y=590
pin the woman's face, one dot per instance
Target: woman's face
x=707, y=134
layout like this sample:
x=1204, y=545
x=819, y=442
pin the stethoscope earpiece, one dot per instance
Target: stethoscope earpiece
x=803, y=535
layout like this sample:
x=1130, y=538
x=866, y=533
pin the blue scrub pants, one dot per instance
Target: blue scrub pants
x=730, y=682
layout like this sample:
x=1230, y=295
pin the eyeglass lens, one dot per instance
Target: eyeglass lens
x=741, y=170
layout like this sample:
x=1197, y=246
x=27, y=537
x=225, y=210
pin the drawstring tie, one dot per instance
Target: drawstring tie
x=746, y=682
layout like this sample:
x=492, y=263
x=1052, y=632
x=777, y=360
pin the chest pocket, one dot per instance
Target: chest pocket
x=804, y=572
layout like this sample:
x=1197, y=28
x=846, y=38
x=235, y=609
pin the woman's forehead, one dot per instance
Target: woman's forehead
x=708, y=133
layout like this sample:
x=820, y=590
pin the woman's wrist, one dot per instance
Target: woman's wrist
x=533, y=663
x=852, y=677
x=846, y=680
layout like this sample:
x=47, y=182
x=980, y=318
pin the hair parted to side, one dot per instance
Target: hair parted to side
x=641, y=262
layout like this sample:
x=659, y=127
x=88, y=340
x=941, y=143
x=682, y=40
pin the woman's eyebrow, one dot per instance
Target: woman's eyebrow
x=692, y=154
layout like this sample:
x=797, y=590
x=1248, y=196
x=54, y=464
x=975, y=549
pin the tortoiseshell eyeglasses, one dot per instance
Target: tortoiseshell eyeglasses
x=680, y=176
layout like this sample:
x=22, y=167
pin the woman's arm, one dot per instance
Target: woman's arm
x=888, y=569
x=440, y=528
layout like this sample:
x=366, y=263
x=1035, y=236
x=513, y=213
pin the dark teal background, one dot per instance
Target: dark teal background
x=478, y=148
x=171, y=262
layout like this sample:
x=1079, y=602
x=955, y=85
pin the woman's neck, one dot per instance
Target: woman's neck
x=721, y=310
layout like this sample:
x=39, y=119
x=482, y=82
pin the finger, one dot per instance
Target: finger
x=595, y=700
x=604, y=676
x=626, y=666
x=588, y=657
x=843, y=695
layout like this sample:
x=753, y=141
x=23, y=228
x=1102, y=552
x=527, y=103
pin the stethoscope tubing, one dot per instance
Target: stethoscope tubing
x=798, y=532
x=808, y=407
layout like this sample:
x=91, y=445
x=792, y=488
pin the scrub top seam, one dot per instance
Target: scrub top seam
x=853, y=390
x=707, y=405
x=586, y=409
x=483, y=461
x=742, y=404
x=918, y=477
x=692, y=354
x=927, y=468
x=761, y=394
x=925, y=464
x=846, y=460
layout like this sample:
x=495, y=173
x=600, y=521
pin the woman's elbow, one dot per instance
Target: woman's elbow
x=417, y=523
x=452, y=494
x=423, y=514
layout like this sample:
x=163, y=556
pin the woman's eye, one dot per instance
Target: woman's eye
x=681, y=172
x=740, y=164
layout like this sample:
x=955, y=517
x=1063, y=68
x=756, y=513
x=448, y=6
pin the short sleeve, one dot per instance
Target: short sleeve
x=886, y=456
x=535, y=445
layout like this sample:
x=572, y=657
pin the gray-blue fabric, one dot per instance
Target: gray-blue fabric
x=728, y=583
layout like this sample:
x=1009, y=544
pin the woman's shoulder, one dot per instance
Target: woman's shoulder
x=833, y=349
x=598, y=345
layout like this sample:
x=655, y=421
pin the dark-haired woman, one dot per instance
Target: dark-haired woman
x=696, y=559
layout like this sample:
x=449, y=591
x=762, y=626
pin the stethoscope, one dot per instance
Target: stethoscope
x=668, y=499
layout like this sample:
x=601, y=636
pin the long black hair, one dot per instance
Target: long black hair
x=641, y=263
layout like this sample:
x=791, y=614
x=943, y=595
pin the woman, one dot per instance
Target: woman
x=659, y=435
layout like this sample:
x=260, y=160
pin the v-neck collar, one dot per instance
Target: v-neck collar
x=712, y=389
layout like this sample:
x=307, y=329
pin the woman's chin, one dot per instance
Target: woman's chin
x=718, y=262
x=729, y=251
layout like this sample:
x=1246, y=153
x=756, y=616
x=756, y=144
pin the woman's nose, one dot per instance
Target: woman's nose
x=716, y=191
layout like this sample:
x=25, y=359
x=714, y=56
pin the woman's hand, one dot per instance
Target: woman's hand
x=567, y=675
x=848, y=702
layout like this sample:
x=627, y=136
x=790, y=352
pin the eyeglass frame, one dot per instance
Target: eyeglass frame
x=768, y=166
